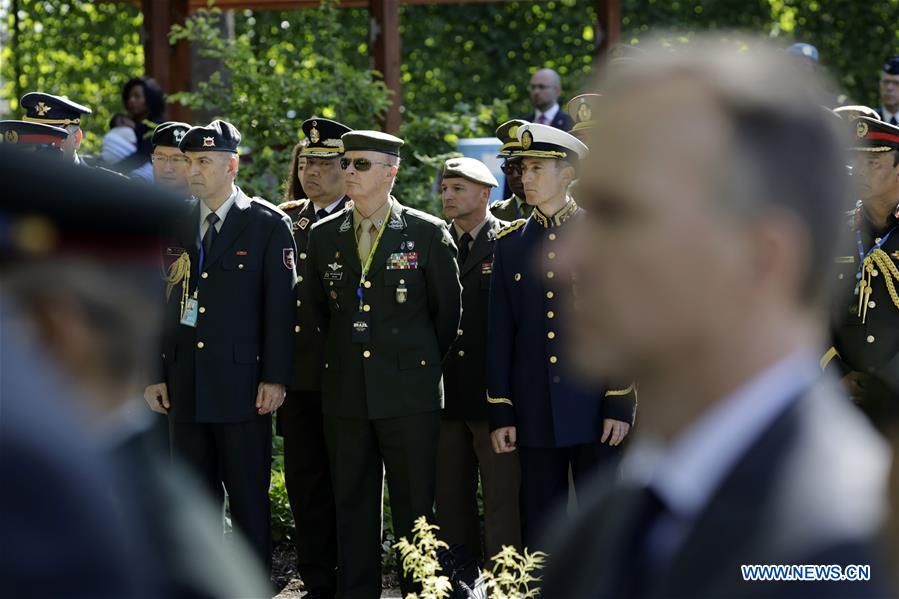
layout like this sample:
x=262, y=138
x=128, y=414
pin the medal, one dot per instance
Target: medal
x=401, y=294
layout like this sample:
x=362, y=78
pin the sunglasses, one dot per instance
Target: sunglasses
x=360, y=164
x=511, y=168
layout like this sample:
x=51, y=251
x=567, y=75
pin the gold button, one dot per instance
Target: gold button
x=205, y=275
x=459, y=332
x=302, y=255
x=550, y=314
x=367, y=284
x=877, y=240
x=461, y=353
x=240, y=266
x=423, y=363
x=550, y=275
x=870, y=339
x=871, y=304
x=402, y=281
x=552, y=236
x=299, y=278
x=326, y=364
x=550, y=295
x=874, y=273
x=296, y=329
x=517, y=276
x=553, y=359
x=551, y=335
x=366, y=354
x=551, y=255
x=840, y=276
x=200, y=345
x=366, y=308
x=203, y=309
x=298, y=303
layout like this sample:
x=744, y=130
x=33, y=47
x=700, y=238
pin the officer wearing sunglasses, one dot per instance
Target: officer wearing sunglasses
x=514, y=206
x=384, y=287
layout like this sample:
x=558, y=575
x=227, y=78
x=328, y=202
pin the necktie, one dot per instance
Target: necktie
x=541, y=120
x=211, y=232
x=365, y=228
x=463, y=247
x=320, y=214
x=893, y=120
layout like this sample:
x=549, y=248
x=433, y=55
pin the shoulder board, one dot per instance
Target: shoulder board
x=268, y=206
x=513, y=226
x=291, y=204
x=423, y=216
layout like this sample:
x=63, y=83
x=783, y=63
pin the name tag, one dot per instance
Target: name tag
x=402, y=261
x=191, y=309
x=845, y=260
x=333, y=276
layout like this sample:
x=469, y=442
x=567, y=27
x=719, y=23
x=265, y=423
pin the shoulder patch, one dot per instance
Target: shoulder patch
x=513, y=226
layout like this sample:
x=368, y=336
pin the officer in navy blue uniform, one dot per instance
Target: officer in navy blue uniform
x=536, y=405
x=33, y=137
x=227, y=342
x=306, y=472
x=57, y=111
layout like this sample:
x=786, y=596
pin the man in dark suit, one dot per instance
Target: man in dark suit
x=227, y=340
x=703, y=272
x=555, y=422
x=889, y=92
x=544, y=90
x=306, y=471
x=464, y=448
x=385, y=288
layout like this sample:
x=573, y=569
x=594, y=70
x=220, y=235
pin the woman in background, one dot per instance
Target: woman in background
x=293, y=190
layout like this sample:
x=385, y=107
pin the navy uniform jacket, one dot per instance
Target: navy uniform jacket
x=413, y=300
x=244, y=332
x=465, y=368
x=867, y=343
x=308, y=339
x=528, y=383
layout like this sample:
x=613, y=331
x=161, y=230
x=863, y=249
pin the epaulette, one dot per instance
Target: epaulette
x=290, y=205
x=512, y=226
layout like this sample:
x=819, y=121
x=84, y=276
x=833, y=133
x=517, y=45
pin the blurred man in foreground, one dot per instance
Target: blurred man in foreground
x=702, y=269
x=78, y=275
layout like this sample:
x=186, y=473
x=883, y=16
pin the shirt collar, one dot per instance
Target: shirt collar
x=550, y=113
x=474, y=232
x=377, y=219
x=559, y=217
x=688, y=472
x=222, y=211
x=887, y=115
x=330, y=207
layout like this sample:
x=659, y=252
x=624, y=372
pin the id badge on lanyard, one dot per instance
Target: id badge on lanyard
x=191, y=308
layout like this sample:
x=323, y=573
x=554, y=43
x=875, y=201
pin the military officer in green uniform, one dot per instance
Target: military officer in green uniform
x=306, y=472
x=385, y=287
x=514, y=206
x=865, y=351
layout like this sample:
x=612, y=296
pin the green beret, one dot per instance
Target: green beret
x=471, y=169
x=371, y=141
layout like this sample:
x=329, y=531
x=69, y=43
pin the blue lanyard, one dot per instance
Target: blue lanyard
x=861, y=248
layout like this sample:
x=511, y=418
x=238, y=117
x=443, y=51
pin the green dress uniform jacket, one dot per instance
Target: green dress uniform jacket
x=510, y=210
x=866, y=329
x=412, y=296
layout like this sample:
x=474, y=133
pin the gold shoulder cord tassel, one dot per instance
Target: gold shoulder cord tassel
x=179, y=272
x=878, y=259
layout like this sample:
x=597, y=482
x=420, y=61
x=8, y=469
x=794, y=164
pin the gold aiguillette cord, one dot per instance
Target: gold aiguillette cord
x=179, y=272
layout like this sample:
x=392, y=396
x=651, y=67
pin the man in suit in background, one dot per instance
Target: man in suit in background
x=306, y=472
x=702, y=272
x=227, y=338
x=889, y=92
x=464, y=448
x=544, y=90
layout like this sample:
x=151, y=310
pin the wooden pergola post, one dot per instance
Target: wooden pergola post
x=384, y=41
x=169, y=65
x=608, y=16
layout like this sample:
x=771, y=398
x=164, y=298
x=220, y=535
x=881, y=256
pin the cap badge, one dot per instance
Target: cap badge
x=179, y=135
x=41, y=109
x=313, y=135
x=584, y=113
x=208, y=142
x=513, y=131
x=861, y=129
x=12, y=137
x=526, y=140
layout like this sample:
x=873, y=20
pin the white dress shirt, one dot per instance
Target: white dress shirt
x=887, y=116
x=329, y=208
x=549, y=114
x=222, y=212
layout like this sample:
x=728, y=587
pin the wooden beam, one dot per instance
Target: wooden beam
x=168, y=65
x=298, y=4
x=608, y=16
x=384, y=44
